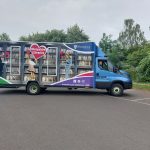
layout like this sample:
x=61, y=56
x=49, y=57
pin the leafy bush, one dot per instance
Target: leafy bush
x=133, y=72
x=144, y=69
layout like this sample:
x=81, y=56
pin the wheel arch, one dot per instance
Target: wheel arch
x=118, y=82
x=32, y=81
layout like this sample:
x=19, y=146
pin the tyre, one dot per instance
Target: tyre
x=70, y=89
x=116, y=90
x=33, y=88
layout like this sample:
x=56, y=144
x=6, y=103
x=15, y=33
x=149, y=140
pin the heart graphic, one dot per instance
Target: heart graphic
x=37, y=51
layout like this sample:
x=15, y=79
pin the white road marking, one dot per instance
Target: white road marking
x=140, y=99
x=134, y=100
x=120, y=98
x=142, y=103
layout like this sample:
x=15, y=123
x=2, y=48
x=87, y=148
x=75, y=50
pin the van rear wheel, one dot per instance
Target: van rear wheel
x=116, y=90
x=33, y=88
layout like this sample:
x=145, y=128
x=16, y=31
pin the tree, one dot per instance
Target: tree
x=35, y=37
x=112, y=49
x=106, y=43
x=55, y=36
x=144, y=69
x=132, y=35
x=75, y=34
x=4, y=37
x=49, y=36
x=136, y=56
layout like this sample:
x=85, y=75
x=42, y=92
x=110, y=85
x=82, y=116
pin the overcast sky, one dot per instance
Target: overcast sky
x=21, y=17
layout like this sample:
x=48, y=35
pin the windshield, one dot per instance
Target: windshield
x=110, y=66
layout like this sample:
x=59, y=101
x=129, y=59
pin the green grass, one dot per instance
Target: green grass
x=143, y=86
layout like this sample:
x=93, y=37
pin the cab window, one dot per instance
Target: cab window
x=102, y=64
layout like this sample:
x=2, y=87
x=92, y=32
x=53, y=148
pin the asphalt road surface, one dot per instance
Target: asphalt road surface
x=74, y=120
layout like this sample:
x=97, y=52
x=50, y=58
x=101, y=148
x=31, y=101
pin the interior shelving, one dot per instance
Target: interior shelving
x=84, y=63
x=63, y=63
x=48, y=69
x=13, y=63
x=49, y=65
x=27, y=55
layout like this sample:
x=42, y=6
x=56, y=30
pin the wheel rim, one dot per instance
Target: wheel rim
x=116, y=90
x=33, y=89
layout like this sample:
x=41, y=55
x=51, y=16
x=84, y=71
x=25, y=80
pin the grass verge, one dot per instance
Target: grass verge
x=143, y=86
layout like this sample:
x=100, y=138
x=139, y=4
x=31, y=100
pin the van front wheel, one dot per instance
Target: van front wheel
x=116, y=90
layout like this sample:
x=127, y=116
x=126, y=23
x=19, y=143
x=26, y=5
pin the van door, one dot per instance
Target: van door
x=102, y=74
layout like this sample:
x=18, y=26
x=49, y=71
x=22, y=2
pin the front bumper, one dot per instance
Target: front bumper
x=128, y=85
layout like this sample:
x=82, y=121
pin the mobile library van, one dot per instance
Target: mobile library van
x=38, y=66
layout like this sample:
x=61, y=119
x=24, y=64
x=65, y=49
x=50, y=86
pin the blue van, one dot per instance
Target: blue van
x=38, y=66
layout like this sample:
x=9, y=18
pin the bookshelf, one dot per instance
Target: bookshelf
x=27, y=55
x=13, y=63
x=84, y=63
x=49, y=65
x=63, y=64
x=2, y=54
